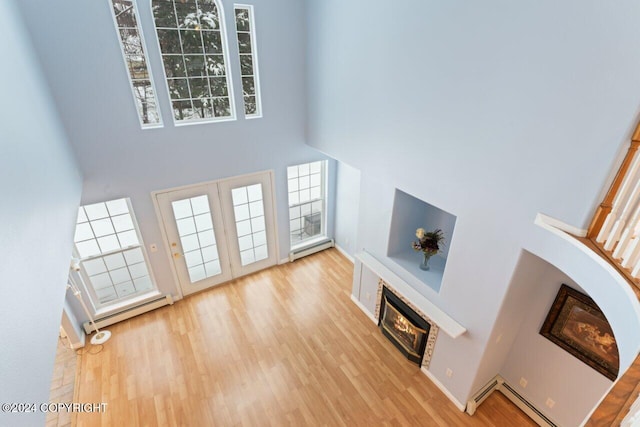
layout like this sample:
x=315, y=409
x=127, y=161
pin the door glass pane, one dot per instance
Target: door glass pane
x=195, y=227
x=248, y=204
x=206, y=238
x=200, y=205
x=212, y=268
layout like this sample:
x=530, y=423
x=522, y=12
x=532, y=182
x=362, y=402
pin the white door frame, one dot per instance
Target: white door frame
x=170, y=224
x=165, y=237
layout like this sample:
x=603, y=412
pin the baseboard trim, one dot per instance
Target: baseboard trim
x=443, y=389
x=424, y=370
x=364, y=309
x=499, y=384
x=345, y=254
x=518, y=400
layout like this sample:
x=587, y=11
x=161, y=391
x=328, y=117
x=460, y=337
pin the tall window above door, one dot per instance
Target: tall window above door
x=135, y=57
x=193, y=44
x=246, y=32
x=307, y=199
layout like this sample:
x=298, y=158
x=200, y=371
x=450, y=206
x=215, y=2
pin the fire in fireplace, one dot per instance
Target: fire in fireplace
x=403, y=326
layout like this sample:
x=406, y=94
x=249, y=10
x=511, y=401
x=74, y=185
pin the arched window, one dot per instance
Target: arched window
x=192, y=42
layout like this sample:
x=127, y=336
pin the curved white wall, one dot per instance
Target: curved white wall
x=516, y=349
x=598, y=279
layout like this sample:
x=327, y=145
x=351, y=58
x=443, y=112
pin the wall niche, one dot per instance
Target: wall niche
x=409, y=214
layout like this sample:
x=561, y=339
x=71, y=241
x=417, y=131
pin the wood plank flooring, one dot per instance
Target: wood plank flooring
x=285, y=346
x=62, y=384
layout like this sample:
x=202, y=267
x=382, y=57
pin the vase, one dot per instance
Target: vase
x=424, y=265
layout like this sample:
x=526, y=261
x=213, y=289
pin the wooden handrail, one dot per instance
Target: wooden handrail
x=607, y=204
x=615, y=406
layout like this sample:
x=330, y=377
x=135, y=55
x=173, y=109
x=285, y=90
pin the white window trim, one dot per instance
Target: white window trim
x=102, y=308
x=323, y=222
x=254, y=58
x=143, y=125
x=225, y=54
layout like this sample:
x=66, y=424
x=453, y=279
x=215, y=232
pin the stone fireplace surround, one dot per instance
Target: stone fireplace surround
x=366, y=294
x=368, y=271
x=433, y=328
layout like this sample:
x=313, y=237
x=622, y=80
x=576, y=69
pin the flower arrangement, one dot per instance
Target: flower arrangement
x=428, y=243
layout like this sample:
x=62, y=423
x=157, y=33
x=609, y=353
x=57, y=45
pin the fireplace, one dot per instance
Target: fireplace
x=405, y=328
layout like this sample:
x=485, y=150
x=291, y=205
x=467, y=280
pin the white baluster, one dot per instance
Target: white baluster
x=630, y=256
x=635, y=273
x=621, y=198
x=632, y=419
x=606, y=226
x=620, y=224
x=628, y=233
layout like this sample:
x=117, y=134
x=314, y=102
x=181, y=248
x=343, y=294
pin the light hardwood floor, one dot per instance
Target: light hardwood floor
x=62, y=384
x=285, y=346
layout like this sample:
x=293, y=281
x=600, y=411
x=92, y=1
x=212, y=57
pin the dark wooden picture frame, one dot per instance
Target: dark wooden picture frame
x=576, y=324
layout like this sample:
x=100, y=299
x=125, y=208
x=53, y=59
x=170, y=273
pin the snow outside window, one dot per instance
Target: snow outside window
x=193, y=44
x=135, y=57
x=246, y=34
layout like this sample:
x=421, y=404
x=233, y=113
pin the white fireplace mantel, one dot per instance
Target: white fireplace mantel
x=445, y=322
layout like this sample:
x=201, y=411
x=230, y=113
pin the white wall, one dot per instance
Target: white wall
x=551, y=372
x=493, y=112
x=78, y=46
x=347, y=207
x=517, y=350
x=40, y=189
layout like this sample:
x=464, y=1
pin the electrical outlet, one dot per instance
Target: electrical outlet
x=449, y=372
x=499, y=338
x=368, y=296
x=523, y=382
x=550, y=402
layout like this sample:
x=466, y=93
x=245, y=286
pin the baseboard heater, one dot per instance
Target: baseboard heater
x=129, y=313
x=500, y=385
x=312, y=249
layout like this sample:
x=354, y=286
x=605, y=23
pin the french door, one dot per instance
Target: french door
x=220, y=230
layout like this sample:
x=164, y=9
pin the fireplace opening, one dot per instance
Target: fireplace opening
x=403, y=326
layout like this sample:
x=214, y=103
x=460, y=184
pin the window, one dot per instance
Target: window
x=246, y=32
x=307, y=193
x=192, y=42
x=135, y=58
x=112, y=256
